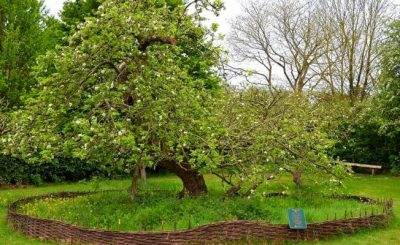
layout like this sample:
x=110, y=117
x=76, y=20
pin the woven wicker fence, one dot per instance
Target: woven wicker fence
x=206, y=234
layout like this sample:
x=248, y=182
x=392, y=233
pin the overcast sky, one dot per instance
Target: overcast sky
x=232, y=9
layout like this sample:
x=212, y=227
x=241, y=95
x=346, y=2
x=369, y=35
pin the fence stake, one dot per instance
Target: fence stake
x=190, y=221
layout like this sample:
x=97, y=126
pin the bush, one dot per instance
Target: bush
x=362, y=141
x=15, y=171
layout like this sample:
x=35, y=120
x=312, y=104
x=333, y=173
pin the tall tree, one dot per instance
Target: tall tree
x=388, y=100
x=283, y=39
x=389, y=96
x=135, y=87
x=302, y=45
x=24, y=34
x=351, y=66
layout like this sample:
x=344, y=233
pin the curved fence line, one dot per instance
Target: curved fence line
x=214, y=233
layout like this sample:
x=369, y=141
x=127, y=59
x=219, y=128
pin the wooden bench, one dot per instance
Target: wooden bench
x=372, y=167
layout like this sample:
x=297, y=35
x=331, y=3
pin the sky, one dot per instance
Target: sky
x=232, y=9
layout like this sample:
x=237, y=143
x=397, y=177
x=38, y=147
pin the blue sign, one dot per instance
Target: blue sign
x=297, y=219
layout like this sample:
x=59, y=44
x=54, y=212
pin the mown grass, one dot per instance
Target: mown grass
x=363, y=185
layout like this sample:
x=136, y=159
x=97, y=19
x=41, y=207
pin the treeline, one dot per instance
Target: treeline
x=27, y=31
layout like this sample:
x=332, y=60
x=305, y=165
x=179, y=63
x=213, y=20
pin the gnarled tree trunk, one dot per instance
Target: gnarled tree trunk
x=193, y=182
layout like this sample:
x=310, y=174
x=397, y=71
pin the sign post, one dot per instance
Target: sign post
x=297, y=219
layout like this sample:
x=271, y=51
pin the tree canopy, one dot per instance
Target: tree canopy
x=25, y=33
x=389, y=98
x=74, y=13
x=135, y=86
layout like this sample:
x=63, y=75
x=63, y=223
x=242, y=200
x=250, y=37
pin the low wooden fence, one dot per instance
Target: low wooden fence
x=206, y=234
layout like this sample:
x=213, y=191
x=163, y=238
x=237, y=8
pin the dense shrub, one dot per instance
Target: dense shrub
x=16, y=171
x=362, y=141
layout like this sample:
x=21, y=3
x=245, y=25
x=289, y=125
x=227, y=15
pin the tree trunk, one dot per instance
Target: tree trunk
x=143, y=174
x=135, y=180
x=193, y=182
x=233, y=191
x=297, y=177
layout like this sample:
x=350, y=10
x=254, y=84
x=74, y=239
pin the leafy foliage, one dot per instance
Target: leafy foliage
x=388, y=100
x=25, y=33
x=371, y=134
x=268, y=134
x=134, y=85
x=74, y=13
x=14, y=171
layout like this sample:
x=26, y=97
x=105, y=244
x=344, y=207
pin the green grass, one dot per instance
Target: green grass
x=211, y=207
x=155, y=211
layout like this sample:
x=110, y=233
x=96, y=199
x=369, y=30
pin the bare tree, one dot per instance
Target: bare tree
x=250, y=40
x=280, y=37
x=325, y=44
x=350, y=65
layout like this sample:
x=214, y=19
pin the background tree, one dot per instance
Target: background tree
x=329, y=45
x=388, y=100
x=351, y=66
x=280, y=37
x=370, y=133
x=25, y=33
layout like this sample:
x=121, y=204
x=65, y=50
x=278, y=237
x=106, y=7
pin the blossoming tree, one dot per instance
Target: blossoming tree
x=135, y=87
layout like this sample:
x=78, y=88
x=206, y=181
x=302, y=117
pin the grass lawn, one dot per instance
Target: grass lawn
x=378, y=187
